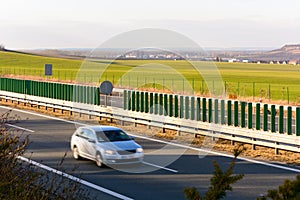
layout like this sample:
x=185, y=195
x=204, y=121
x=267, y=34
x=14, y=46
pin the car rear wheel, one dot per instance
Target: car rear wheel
x=76, y=153
x=99, y=161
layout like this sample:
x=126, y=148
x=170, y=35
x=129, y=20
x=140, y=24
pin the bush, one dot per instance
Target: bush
x=21, y=180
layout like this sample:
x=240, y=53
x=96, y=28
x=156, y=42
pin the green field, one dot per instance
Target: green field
x=276, y=82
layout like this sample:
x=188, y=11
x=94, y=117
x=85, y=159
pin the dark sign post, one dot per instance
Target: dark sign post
x=106, y=88
x=48, y=69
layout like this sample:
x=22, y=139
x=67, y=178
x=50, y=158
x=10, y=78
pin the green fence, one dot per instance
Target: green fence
x=226, y=112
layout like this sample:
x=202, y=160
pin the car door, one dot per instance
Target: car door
x=90, y=143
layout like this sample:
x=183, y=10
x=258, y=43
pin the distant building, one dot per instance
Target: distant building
x=293, y=62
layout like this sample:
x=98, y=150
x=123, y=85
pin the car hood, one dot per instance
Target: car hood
x=121, y=145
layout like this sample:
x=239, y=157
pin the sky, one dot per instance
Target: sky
x=32, y=24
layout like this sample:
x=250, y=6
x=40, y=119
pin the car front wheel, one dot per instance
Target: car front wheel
x=99, y=161
x=76, y=153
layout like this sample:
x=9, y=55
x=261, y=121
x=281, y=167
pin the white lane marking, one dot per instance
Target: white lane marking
x=179, y=145
x=19, y=127
x=221, y=154
x=86, y=183
x=160, y=167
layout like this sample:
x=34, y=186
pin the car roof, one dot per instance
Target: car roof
x=102, y=128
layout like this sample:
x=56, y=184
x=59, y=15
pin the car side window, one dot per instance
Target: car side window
x=89, y=134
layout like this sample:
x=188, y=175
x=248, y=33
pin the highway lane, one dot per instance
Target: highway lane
x=50, y=140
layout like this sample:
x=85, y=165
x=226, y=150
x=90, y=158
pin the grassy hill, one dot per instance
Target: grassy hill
x=242, y=79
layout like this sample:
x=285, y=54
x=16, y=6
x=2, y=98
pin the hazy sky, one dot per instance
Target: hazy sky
x=88, y=23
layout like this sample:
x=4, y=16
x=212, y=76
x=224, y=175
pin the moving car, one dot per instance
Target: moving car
x=105, y=145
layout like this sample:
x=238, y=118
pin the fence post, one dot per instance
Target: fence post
x=289, y=120
x=250, y=115
x=216, y=107
x=181, y=107
x=151, y=103
x=142, y=101
x=146, y=102
x=223, y=112
x=236, y=113
x=229, y=113
x=161, y=103
x=243, y=114
x=280, y=119
x=133, y=101
x=204, y=110
x=198, y=106
x=298, y=121
x=129, y=100
x=273, y=117
x=265, y=127
x=156, y=103
x=165, y=105
x=137, y=101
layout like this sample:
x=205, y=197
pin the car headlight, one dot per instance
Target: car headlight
x=110, y=152
x=139, y=150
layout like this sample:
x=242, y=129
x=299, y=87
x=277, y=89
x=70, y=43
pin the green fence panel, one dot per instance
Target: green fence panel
x=187, y=107
x=133, y=99
x=229, y=118
x=129, y=100
x=257, y=116
x=192, y=110
x=281, y=119
x=176, y=110
x=161, y=103
x=170, y=109
x=210, y=115
x=223, y=121
x=265, y=115
x=151, y=103
x=97, y=96
x=146, y=102
x=181, y=111
x=216, y=111
x=289, y=120
x=142, y=102
x=250, y=115
x=137, y=108
x=298, y=121
x=125, y=105
x=156, y=103
x=243, y=114
x=204, y=117
x=273, y=118
x=236, y=113
x=165, y=105
x=198, y=109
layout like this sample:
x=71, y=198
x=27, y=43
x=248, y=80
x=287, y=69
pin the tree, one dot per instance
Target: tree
x=220, y=181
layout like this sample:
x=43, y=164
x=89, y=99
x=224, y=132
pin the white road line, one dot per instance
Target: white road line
x=160, y=167
x=179, y=145
x=86, y=183
x=21, y=128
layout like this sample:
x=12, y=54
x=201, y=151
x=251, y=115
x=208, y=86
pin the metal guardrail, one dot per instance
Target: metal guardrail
x=250, y=136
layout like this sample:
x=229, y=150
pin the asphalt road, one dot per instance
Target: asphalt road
x=157, y=178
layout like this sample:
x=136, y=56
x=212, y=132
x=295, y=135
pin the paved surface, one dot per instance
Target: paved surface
x=50, y=140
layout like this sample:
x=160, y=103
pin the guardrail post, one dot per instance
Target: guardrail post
x=137, y=101
x=298, y=121
x=176, y=106
x=265, y=127
x=289, y=120
x=142, y=101
x=257, y=115
x=146, y=102
x=133, y=100
x=243, y=114
x=250, y=110
x=165, y=105
x=198, y=106
x=216, y=107
x=187, y=107
x=170, y=109
x=280, y=119
x=161, y=103
x=192, y=108
x=229, y=122
x=204, y=117
x=236, y=113
x=181, y=107
x=151, y=103
x=156, y=103
x=273, y=117
x=223, y=112
x=210, y=115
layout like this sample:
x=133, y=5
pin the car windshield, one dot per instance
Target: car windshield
x=112, y=136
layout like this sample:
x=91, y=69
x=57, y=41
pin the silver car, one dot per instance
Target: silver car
x=105, y=145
